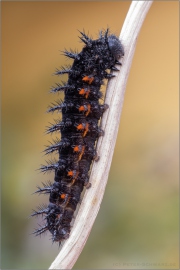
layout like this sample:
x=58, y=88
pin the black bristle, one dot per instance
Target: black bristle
x=70, y=54
x=54, y=127
x=85, y=38
x=63, y=70
x=51, y=165
x=41, y=230
x=42, y=209
x=58, y=105
x=46, y=188
x=56, y=145
x=61, y=87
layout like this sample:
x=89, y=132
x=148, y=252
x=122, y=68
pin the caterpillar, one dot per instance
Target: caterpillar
x=81, y=111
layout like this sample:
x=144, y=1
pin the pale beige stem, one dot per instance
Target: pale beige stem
x=110, y=123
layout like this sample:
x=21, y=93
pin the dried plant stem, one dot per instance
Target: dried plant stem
x=110, y=123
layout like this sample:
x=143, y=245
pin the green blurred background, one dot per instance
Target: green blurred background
x=137, y=226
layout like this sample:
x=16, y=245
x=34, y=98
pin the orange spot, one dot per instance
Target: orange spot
x=80, y=149
x=76, y=148
x=84, y=127
x=88, y=79
x=73, y=174
x=66, y=198
x=82, y=91
x=70, y=173
x=80, y=127
x=85, y=108
x=63, y=196
x=81, y=108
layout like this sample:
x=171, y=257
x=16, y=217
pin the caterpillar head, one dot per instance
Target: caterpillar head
x=115, y=47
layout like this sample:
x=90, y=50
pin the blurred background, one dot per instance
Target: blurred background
x=137, y=225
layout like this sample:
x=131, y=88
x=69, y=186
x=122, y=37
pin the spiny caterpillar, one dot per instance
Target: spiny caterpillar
x=81, y=112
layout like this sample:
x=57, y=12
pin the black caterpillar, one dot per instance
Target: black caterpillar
x=79, y=129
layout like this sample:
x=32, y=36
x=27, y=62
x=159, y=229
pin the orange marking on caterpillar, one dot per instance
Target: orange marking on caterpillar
x=84, y=92
x=87, y=94
x=88, y=109
x=76, y=148
x=81, y=153
x=73, y=174
x=70, y=173
x=81, y=108
x=88, y=79
x=80, y=149
x=85, y=108
x=63, y=196
x=80, y=127
x=86, y=129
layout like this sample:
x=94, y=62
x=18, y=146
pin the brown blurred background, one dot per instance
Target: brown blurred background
x=137, y=226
